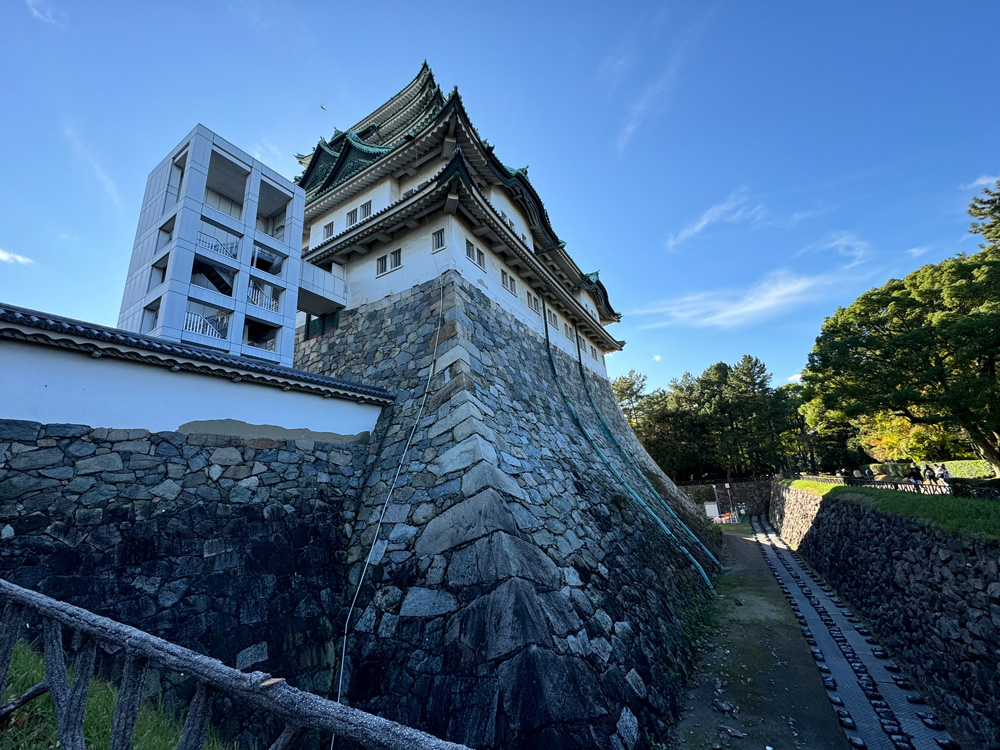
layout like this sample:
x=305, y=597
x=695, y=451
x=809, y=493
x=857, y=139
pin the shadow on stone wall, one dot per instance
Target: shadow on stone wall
x=932, y=597
x=233, y=548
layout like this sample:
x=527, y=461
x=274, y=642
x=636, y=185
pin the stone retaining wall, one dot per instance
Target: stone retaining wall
x=520, y=597
x=234, y=548
x=932, y=597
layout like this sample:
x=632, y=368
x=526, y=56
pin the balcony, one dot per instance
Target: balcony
x=265, y=344
x=320, y=291
x=263, y=295
x=215, y=326
x=228, y=248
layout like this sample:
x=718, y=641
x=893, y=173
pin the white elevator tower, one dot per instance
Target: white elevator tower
x=217, y=254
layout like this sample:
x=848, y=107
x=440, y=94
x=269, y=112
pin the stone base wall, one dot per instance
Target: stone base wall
x=520, y=597
x=932, y=597
x=234, y=548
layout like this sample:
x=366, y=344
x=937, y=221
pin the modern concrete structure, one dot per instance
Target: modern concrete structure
x=216, y=259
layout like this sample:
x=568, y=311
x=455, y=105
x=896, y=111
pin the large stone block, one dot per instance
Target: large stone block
x=539, y=687
x=499, y=557
x=501, y=622
x=465, y=522
x=467, y=453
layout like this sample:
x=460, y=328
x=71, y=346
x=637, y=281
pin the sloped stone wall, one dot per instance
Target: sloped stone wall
x=932, y=597
x=234, y=548
x=519, y=597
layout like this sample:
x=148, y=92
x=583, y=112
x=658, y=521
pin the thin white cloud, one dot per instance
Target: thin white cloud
x=614, y=68
x=656, y=93
x=657, y=357
x=796, y=378
x=776, y=293
x=845, y=244
x=916, y=252
x=6, y=257
x=267, y=152
x=84, y=155
x=739, y=207
x=983, y=181
x=735, y=208
x=42, y=11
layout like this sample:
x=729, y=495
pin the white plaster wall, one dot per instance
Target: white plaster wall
x=49, y=385
x=419, y=264
x=380, y=194
x=423, y=174
x=500, y=201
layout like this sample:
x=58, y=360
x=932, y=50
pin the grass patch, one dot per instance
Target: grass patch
x=960, y=515
x=34, y=725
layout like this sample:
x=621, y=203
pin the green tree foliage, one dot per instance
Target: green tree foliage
x=924, y=347
x=628, y=391
x=727, y=421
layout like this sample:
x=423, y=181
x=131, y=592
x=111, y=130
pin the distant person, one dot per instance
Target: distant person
x=943, y=474
x=930, y=475
x=915, y=477
x=858, y=474
x=869, y=473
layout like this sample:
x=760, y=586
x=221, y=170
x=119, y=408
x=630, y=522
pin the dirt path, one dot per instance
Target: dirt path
x=758, y=686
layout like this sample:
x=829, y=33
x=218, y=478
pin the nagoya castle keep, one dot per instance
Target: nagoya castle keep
x=355, y=430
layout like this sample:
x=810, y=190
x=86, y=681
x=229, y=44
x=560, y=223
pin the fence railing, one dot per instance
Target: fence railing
x=217, y=327
x=229, y=249
x=925, y=488
x=299, y=710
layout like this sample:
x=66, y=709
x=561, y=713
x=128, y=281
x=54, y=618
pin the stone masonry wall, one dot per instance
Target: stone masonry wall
x=519, y=597
x=931, y=596
x=234, y=548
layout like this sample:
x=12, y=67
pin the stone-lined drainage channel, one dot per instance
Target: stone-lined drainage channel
x=877, y=706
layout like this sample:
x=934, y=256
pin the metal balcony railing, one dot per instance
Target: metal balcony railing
x=216, y=326
x=300, y=711
x=229, y=249
x=258, y=297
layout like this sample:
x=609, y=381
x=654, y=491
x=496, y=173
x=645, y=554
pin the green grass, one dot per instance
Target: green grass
x=960, y=515
x=34, y=726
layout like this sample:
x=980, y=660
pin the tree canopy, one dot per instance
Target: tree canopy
x=924, y=347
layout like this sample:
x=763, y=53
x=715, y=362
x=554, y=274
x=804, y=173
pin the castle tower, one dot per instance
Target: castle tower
x=526, y=576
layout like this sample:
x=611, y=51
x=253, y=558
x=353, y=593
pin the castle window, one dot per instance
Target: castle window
x=568, y=331
x=366, y=210
x=382, y=265
x=328, y=231
x=508, y=282
x=553, y=319
x=396, y=258
x=352, y=217
x=534, y=303
x=437, y=241
x=593, y=352
x=474, y=254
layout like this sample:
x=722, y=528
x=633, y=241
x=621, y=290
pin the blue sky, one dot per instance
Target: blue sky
x=735, y=171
